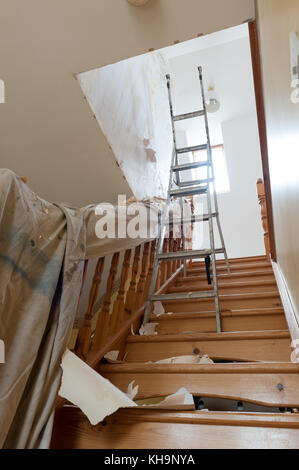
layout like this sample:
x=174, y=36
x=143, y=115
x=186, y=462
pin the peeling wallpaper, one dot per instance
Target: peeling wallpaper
x=130, y=102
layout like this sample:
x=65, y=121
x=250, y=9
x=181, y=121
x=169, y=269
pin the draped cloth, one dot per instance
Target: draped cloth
x=43, y=247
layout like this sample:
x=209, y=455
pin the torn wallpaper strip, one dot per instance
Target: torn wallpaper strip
x=149, y=329
x=181, y=400
x=195, y=359
x=84, y=387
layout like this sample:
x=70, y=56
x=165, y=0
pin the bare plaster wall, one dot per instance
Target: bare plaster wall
x=130, y=102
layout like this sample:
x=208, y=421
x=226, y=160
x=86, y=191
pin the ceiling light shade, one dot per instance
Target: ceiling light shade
x=138, y=3
x=212, y=102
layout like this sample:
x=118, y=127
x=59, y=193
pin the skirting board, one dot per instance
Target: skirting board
x=289, y=307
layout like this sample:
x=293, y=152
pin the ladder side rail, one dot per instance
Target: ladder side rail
x=161, y=235
x=215, y=200
x=209, y=203
x=177, y=174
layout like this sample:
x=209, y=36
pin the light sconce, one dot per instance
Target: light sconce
x=138, y=3
x=212, y=102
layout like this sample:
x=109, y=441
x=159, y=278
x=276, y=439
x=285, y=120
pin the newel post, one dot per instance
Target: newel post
x=262, y=202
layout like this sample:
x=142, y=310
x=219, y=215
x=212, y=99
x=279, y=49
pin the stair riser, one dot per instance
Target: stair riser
x=237, y=350
x=256, y=388
x=234, y=268
x=249, y=259
x=227, y=278
x=241, y=323
x=226, y=303
x=231, y=289
x=72, y=430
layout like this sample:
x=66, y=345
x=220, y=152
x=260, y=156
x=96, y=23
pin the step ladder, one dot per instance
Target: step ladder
x=184, y=189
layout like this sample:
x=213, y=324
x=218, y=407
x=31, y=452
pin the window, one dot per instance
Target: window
x=220, y=168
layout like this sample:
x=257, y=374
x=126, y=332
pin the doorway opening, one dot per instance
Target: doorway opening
x=130, y=102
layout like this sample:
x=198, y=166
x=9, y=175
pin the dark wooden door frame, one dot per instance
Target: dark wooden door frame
x=261, y=118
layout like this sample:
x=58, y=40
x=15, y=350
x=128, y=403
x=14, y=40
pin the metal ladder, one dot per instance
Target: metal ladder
x=190, y=188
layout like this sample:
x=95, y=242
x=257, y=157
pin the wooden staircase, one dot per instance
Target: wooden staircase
x=251, y=365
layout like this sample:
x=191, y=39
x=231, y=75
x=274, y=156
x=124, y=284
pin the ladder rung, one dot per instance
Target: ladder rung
x=188, y=191
x=184, y=296
x=183, y=184
x=193, y=219
x=192, y=149
x=190, y=166
x=181, y=117
x=191, y=254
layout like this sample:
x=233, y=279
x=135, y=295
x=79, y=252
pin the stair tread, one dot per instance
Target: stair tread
x=230, y=276
x=228, y=313
x=250, y=259
x=244, y=283
x=220, y=368
x=219, y=417
x=159, y=429
x=267, y=282
x=245, y=295
x=221, y=266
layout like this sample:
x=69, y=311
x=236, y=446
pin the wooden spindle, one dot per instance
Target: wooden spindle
x=263, y=204
x=191, y=229
x=84, y=335
x=170, y=264
x=178, y=248
x=142, y=278
x=102, y=328
x=150, y=269
x=130, y=298
x=181, y=248
x=163, y=264
x=158, y=282
x=117, y=316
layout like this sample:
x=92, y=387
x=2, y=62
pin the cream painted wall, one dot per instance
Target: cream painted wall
x=48, y=132
x=239, y=210
x=276, y=20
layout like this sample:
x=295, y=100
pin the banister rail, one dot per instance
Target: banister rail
x=124, y=308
